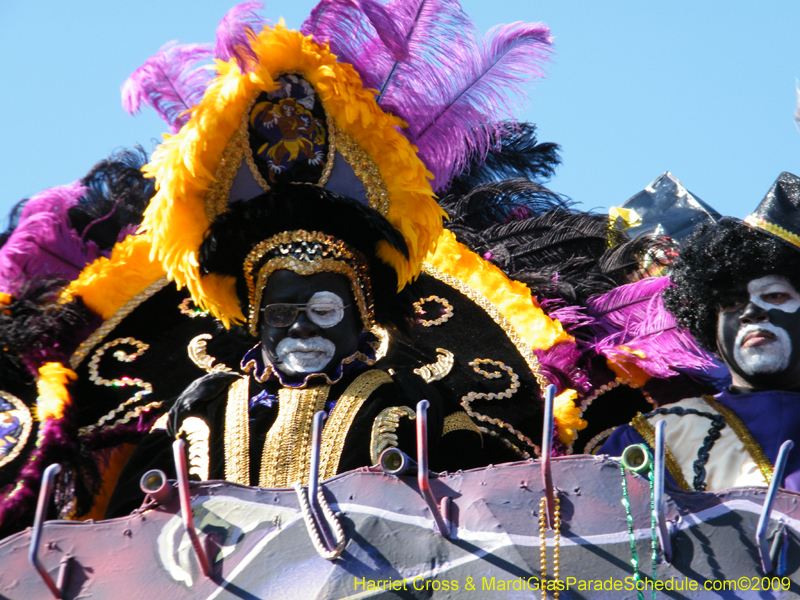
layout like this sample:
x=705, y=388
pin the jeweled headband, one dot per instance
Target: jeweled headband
x=306, y=253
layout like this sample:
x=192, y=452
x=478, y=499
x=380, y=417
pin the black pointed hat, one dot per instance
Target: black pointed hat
x=779, y=211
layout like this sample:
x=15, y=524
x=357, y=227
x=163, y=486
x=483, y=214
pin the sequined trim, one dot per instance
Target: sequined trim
x=95, y=377
x=648, y=433
x=287, y=448
x=507, y=443
x=218, y=194
x=23, y=415
x=341, y=418
x=365, y=169
x=594, y=444
x=740, y=429
x=458, y=421
x=237, y=433
x=307, y=253
x=190, y=312
x=83, y=350
x=510, y=391
x=438, y=370
x=525, y=351
x=775, y=230
x=197, y=435
x=606, y=387
x=383, y=430
x=447, y=311
x=199, y=356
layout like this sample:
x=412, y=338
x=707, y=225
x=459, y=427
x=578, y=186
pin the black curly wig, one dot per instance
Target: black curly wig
x=714, y=258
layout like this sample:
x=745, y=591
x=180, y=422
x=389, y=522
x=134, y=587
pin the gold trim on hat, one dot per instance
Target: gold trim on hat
x=321, y=253
x=775, y=230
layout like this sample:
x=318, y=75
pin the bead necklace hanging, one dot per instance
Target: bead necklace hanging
x=543, y=544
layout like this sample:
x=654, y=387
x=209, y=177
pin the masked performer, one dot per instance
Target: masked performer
x=736, y=289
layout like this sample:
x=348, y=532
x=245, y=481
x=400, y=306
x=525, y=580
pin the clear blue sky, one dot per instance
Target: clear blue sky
x=705, y=90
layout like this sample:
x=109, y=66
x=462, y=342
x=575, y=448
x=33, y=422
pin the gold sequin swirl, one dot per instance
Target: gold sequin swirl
x=447, y=311
x=200, y=357
x=145, y=388
x=439, y=369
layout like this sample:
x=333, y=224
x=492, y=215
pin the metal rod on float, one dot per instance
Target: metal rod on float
x=422, y=471
x=48, y=480
x=763, y=521
x=658, y=491
x=547, y=443
x=181, y=469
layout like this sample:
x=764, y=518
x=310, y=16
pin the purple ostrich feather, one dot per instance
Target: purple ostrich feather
x=235, y=31
x=451, y=86
x=171, y=82
x=44, y=242
x=632, y=325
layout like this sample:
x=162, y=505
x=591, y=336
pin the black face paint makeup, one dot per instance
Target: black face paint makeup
x=303, y=346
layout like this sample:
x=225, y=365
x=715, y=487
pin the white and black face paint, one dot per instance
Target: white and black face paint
x=309, y=355
x=759, y=331
x=771, y=357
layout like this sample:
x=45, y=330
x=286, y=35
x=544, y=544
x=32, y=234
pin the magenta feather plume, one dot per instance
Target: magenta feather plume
x=171, y=82
x=235, y=31
x=632, y=325
x=44, y=242
x=360, y=32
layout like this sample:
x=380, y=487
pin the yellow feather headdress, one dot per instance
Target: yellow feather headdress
x=194, y=168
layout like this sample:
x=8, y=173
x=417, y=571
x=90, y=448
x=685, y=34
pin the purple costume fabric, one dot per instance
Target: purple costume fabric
x=772, y=418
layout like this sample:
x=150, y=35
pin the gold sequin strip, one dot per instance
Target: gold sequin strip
x=741, y=431
x=83, y=350
x=439, y=369
x=237, y=433
x=95, y=377
x=648, y=433
x=458, y=421
x=384, y=429
x=197, y=435
x=200, y=357
x=341, y=418
x=601, y=437
x=507, y=443
x=287, y=448
x=447, y=311
x=776, y=230
x=216, y=200
x=366, y=170
x=24, y=416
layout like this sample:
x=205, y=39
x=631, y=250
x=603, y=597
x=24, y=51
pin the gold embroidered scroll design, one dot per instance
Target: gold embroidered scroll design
x=145, y=388
x=438, y=370
x=197, y=434
x=384, y=429
x=200, y=357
